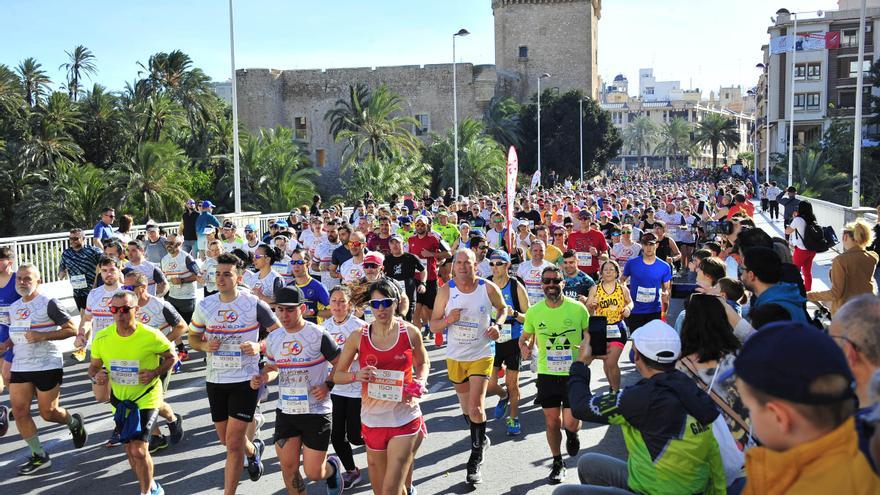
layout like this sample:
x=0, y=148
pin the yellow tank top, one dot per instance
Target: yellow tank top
x=610, y=305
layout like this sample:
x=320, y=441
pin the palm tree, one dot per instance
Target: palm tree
x=482, y=161
x=503, y=122
x=388, y=177
x=640, y=134
x=10, y=90
x=675, y=138
x=104, y=138
x=816, y=177
x=148, y=179
x=716, y=130
x=78, y=193
x=82, y=62
x=346, y=114
x=34, y=80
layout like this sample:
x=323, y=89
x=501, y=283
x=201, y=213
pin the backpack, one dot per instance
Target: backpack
x=815, y=238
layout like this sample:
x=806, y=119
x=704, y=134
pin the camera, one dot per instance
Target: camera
x=723, y=227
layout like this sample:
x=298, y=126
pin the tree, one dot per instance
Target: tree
x=348, y=114
x=817, y=178
x=482, y=161
x=388, y=177
x=34, y=80
x=146, y=182
x=716, y=130
x=78, y=192
x=639, y=135
x=502, y=120
x=104, y=138
x=675, y=139
x=82, y=62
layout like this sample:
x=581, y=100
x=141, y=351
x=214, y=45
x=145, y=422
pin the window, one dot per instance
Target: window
x=523, y=52
x=854, y=67
x=299, y=129
x=800, y=72
x=320, y=157
x=847, y=99
x=800, y=101
x=424, y=124
x=649, y=91
x=849, y=38
x=814, y=71
x=813, y=100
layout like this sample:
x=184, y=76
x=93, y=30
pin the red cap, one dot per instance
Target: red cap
x=374, y=257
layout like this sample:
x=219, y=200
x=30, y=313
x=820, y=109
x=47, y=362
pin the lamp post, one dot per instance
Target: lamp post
x=236, y=170
x=581, y=133
x=766, y=122
x=461, y=32
x=857, y=124
x=542, y=76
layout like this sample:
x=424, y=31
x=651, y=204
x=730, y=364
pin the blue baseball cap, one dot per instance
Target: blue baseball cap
x=786, y=357
x=208, y=204
x=404, y=219
x=500, y=255
x=281, y=223
x=250, y=228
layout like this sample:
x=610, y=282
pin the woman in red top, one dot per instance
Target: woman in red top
x=392, y=423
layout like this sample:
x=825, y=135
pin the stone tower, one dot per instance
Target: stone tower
x=533, y=37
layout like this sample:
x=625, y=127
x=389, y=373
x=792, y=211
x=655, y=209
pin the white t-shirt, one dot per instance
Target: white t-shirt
x=41, y=314
x=796, y=238
x=98, y=305
x=531, y=275
x=340, y=332
x=351, y=270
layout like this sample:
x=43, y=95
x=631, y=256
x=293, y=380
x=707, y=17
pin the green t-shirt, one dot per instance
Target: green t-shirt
x=558, y=330
x=448, y=232
x=123, y=357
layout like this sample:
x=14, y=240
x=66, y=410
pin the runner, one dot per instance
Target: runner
x=250, y=238
x=430, y=248
x=208, y=272
x=137, y=356
x=230, y=238
x=650, y=284
x=530, y=272
x=37, y=323
x=346, y=428
x=299, y=354
x=316, y=297
x=380, y=242
x=154, y=244
x=507, y=352
x=463, y=307
x=96, y=315
x=227, y=326
x=611, y=300
x=80, y=263
x=182, y=272
x=393, y=427
x=265, y=282
x=558, y=325
x=405, y=267
x=8, y=295
x=625, y=249
x=281, y=266
x=577, y=283
x=158, y=284
x=588, y=243
x=322, y=261
x=353, y=268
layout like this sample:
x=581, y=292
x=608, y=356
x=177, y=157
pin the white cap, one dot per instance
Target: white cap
x=657, y=341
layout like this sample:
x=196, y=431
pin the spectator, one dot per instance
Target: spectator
x=741, y=204
x=802, y=414
x=852, y=271
x=188, y=227
x=789, y=203
x=761, y=274
x=154, y=244
x=315, y=210
x=206, y=219
x=123, y=233
x=104, y=228
x=796, y=230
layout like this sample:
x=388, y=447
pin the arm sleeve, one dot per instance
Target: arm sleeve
x=161, y=344
x=159, y=276
x=265, y=316
x=329, y=348
x=322, y=296
x=198, y=322
x=171, y=315
x=414, y=261
x=57, y=313
x=529, y=324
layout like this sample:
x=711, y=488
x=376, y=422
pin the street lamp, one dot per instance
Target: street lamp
x=857, y=124
x=766, y=122
x=236, y=170
x=461, y=32
x=542, y=76
x=581, y=133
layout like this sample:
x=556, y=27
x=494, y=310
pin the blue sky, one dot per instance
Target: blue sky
x=708, y=42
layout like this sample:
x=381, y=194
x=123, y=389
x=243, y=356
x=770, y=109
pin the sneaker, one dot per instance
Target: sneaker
x=513, y=427
x=557, y=473
x=176, y=429
x=157, y=443
x=474, y=476
x=501, y=407
x=572, y=444
x=114, y=440
x=35, y=463
x=352, y=477
x=4, y=420
x=176, y=368
x=336, y=483
x=255, y=463
x=182, y=354
x=78, y=430
x=157, y=489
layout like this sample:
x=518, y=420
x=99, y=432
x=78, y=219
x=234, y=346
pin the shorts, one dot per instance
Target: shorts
x=635, y=321
x=618, y=341
x=427, y=298
x=148, y=421
x=377, y=438
x=313, y=428
x=81, y=301
x=44, y=380
x=461, y=371
x=186, y=307
x=232, y=400
x=552, y=391
x=508, y=353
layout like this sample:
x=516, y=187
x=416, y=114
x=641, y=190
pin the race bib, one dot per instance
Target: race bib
x=505, y=333
x=646, y=294
x=17, y=331
x=368, y=315
x=227, y=357
x=387, y=385
x=78, y=282
x=464, y=331
x=281, y=268
x=535, y=294
x=558, y=360
x=612, y=331
x=4, y=315
x=124, y=372
x=584, y=259
x=294, y=399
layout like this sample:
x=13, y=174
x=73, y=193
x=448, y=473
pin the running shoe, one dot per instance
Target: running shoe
x=474, y=476
x=4, y=420
x=157, y=443
x=114, y=440
x=335, y=483
x=255, y=463
x=572, y=444
x=557, y=473
x=501, y=407
x=352, y=477
x=176, y=368
x=157, y=489
x=513, y=427
x=182, y=354
x=175, y=429
x=35, y=463
x=78, y=430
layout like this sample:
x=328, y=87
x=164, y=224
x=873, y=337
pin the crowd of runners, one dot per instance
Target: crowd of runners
x=327, y=318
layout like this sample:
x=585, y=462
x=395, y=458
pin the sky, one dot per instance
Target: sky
x=702, y=43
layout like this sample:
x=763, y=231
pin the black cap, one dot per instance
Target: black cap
x=289, y=295
x=784, y=358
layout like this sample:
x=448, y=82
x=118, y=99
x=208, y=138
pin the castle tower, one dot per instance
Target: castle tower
x=533, y=37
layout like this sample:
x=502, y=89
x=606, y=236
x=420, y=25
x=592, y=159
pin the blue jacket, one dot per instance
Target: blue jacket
x=788, y=296
x=205, y=219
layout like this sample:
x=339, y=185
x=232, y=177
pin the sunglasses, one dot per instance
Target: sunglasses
x=498, y=220
x=355, y=244
x=371, y=266
x=131, y=287
x=297, y=262
x=497, y=263
x=551, y=281
x=260, y=256
x=381, y=303
x=558, y=234
x=626, y=231
x=119, y=309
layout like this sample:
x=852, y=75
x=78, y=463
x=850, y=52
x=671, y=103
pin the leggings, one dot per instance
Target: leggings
x=803, y=259
x=346, y=428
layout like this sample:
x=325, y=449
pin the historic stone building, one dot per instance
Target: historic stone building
x=532, y=37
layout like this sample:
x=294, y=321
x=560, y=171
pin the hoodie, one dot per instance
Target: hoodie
x=788, y=296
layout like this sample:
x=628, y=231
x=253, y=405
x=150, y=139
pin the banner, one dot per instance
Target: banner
x=806, y=42
x=536, y=179
x=512, y=170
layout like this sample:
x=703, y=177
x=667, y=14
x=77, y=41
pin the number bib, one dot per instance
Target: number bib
x=368, y=315
x=646, y=294
x=584, y=259
x=18, y=330
x=464, y=331
x=535, y=294
x=78, y=282
x=4, y=315
x=124, y=372
x=558, y=360
x=612, y=331
x=227, y=357
x=505, y=333
x=294, y=392
x=388, y=386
